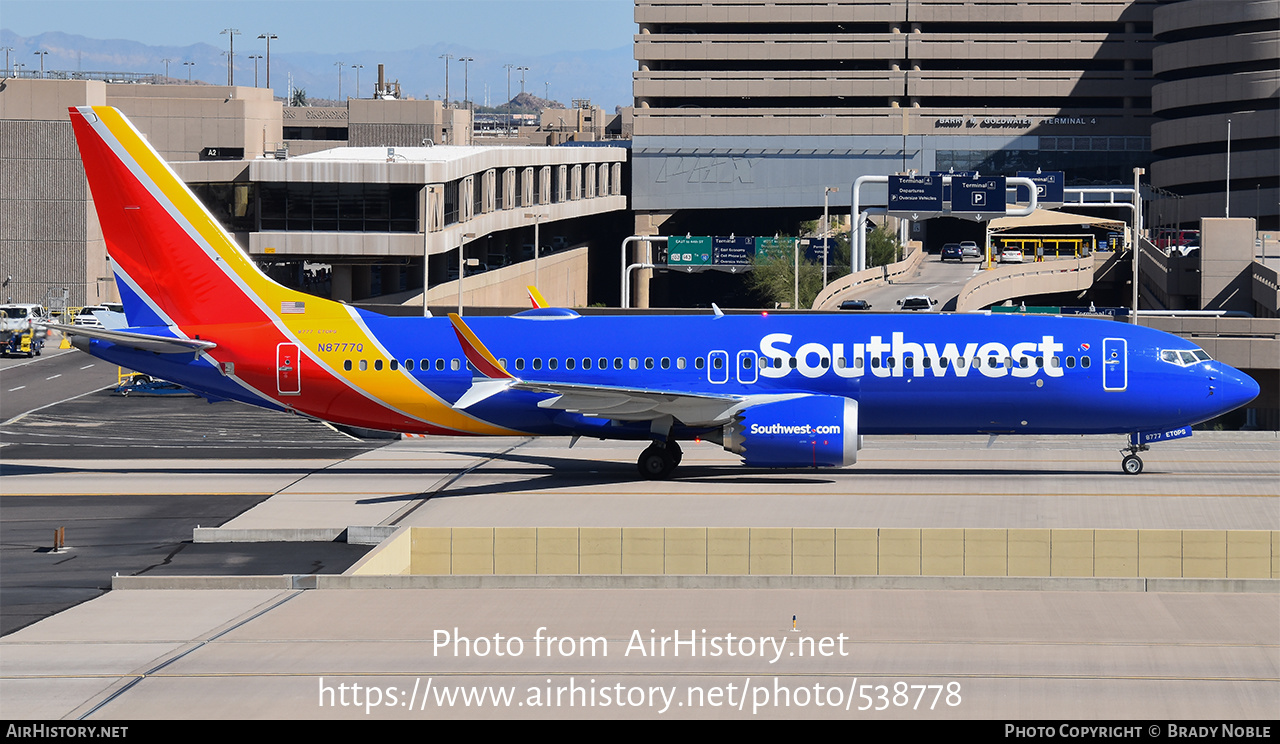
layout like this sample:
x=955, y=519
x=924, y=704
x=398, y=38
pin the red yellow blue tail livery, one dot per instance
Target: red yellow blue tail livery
x=779, y=390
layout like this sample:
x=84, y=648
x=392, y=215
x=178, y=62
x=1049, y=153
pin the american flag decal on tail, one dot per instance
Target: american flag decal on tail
x=293, y=307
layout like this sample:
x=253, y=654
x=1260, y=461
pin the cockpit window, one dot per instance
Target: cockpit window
x=1184, y=357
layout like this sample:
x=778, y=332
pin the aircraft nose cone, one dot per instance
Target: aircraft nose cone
x=1233, y=388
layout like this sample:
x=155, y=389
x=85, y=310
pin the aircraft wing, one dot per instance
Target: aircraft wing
x=140, y=341
x=638, y=404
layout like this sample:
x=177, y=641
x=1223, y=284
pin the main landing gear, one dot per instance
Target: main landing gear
x=659, y=459
x=1132, y=464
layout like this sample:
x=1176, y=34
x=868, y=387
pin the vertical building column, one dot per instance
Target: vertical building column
x=341, y=282
x=647, y=223
x=361, y=284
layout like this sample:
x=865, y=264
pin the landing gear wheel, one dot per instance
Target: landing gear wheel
x=655, y=462
x=673, y=449
x=1131, y=464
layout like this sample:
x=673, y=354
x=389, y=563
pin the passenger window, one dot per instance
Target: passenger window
x=395, y=365
x=717, y=363
x=617, y=362
x=1055, y=362
x=456, y=365
x=424, y=365
x=992, y=362
x=893, y=362
x=699, y=363
x=439, y=365
x=502, y=363
x=408, y=364
x=552, y=363
x=569, y=362
x=1023, y=362
x=536, y=363
x=633, y=363
x=680, y=363
x=857, y=362
x=746, y=362
x=604, y=363
x=666, y=362
x=909, y=362
x=1084, y=362
x=364, y=365
x=346, y=365
x=648, y=362
x=875, y=362
x=839, y=362
x=377, y=365
x=519, y=363
x=1071, y=362
x=586, y=362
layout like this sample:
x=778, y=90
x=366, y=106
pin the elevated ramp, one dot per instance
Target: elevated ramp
x=1020, y=280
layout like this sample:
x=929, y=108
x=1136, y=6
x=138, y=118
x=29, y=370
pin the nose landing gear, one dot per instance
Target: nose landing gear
x=1132, y=464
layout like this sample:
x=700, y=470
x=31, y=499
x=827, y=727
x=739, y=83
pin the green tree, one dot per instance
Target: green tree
x=882, y=247
x=772, y=279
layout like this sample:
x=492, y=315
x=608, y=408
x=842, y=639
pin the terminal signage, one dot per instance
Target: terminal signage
x=732, y=251
x=915, y=197
x=815, y=249
x=946, y=187
x=689, y=251
x=775, y=247
x=978, y=198
x=1049, y=187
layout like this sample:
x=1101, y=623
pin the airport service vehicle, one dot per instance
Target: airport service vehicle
x=781, y=390
x=968, y=249
x=1011, y=255
x=19, y=328
x=951, y=250
x=86, y=317
x=917, y=303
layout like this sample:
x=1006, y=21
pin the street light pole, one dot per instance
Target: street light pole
x=446, y=58
x=166, y=62
x=268, y=36
x=42, y=54
x=1228, y=214
x=1137, y=236
x=508, y=97
x=826, y=193
x=357, y=68
x=255, y=58
x=537, y=248
x=340, y=65
x=462, y=239
x=188, y=65
x=466, y=70
x=231, y=33
x=522, y=70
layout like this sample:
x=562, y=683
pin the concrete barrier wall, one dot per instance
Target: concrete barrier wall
x=1021, y=280
x=842, y=288
x=620, y=551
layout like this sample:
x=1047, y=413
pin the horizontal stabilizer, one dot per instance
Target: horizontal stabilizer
x=140, y=341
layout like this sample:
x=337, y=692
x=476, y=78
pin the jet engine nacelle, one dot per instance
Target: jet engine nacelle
x=810, y=431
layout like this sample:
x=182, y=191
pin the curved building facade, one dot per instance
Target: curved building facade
x=1218, y=61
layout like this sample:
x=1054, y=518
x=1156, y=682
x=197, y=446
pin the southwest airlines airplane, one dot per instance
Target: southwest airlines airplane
x=781, y=391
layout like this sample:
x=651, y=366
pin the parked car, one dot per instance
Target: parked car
x=969, y=249
x=855, y=305
x=87, y=318
x=951, y=250
x=1011, y=255
x=917, y=303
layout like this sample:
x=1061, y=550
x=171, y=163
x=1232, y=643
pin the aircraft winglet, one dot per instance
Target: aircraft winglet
x=480, y=358
x=536, y=297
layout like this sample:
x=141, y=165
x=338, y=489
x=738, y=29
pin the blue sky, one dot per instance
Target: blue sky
x=518, y=26
x=558, y=39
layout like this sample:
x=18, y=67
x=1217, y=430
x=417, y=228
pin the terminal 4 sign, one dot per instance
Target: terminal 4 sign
x=1049, y=187
x=980, y=198
x=915, y=197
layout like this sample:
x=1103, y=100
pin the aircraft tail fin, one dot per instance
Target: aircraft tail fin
x=536, y=298
x=174, y=263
